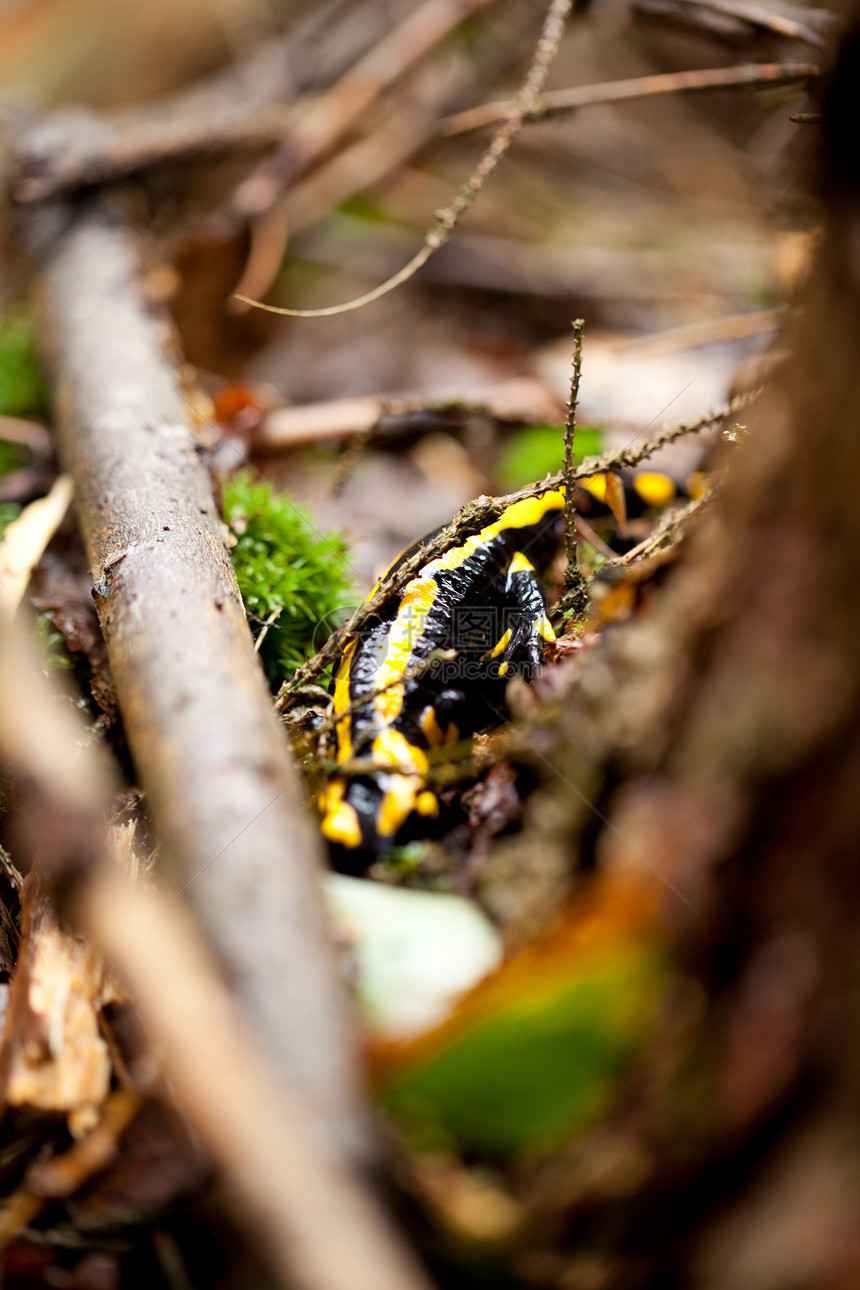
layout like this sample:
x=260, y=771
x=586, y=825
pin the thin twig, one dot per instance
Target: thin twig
x=560, y=102
x=668, y=527
x=572, y=576
x=757, y=15
x=446, y=221
x=473, y=517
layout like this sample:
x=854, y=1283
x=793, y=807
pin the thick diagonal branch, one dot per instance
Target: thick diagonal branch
x=223, y=792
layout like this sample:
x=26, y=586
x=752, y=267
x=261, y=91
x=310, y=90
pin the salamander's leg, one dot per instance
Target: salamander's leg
x=528, y=628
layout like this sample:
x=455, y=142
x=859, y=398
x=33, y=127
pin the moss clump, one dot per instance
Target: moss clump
x=23, y=390
x=287, y=567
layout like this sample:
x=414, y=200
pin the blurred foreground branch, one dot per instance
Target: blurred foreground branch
x=320, y=1229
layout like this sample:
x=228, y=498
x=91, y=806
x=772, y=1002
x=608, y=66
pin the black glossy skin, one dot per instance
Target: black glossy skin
x=469, y=609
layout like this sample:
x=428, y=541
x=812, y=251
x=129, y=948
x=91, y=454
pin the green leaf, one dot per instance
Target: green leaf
x=536, y=1066
x=536, y=451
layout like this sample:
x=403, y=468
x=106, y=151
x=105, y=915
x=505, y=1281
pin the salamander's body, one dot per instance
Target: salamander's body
x=481, y=599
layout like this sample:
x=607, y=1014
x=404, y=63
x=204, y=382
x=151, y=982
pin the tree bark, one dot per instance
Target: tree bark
x=222, y=789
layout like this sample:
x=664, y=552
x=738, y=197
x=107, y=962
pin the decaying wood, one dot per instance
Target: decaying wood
x=522, y=400
x=320, y=1228
x=53, y=1057
x=222, y=790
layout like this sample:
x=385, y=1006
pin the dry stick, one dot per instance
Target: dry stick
x=446, y=221
x=522, y=400
x=572, y=578
x=760, y=16
x=318, y=1226
x=322, y=125
x=668, y=526
x=482, y=511
x=560, y=102
x=221, y=786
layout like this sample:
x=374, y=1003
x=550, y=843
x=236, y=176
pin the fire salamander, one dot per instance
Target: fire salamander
x=484, y=601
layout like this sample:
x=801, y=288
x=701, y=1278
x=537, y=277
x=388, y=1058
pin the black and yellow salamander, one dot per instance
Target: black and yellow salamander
x=484, y=601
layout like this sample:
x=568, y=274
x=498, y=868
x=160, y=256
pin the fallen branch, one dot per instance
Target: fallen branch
x=521, y=401
x=222, y=790
x=482, y=511
x=561, y=102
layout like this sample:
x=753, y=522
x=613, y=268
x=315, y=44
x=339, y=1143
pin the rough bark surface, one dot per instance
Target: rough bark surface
x=223, y=792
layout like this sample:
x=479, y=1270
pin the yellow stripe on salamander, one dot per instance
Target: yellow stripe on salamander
x=420, y=594
x=340, y=821
x=402, y=791
x=343, y=726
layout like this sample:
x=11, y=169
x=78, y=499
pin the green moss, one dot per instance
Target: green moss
x=23, y=390
x=536, y=451
x=285, y=566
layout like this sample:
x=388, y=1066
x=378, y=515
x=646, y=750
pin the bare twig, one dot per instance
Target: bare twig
x=221, y=788
x=324, y=123
x=669, y=526
x=446, y=221
x=519, y=401
x=572, y=577
x=482, y=511
x=755, y=15
x=560, y=102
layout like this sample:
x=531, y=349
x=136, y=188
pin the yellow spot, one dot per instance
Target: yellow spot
x=545, y=630
x=397, y=803
x=596, y=485
x=519, y=564
x=340, y=823
x=503, y=644
x=391, y=748
x=431, y=727
x=343, y=727
x=503, y=669
x=654, y=489
x=452, y=734
x=427, y=803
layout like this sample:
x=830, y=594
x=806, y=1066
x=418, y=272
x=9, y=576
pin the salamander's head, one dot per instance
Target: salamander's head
x=363, y=816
